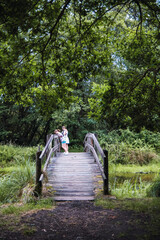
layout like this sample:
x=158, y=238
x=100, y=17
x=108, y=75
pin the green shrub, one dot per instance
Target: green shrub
x=145, y=137
x=127, y=154
x=127, y=147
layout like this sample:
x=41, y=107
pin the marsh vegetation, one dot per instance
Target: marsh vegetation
x=134, y=166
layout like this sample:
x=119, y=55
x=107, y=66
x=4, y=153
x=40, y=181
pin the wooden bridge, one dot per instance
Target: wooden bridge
x=75, y=176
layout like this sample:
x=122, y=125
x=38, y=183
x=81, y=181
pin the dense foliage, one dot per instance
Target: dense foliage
x=128, y=147
x=87, y=64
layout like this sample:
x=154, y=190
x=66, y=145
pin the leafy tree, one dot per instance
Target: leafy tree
x=33, y=37
x=53, y=52
x=133, y=86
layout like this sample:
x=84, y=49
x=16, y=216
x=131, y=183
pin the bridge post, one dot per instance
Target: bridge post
x=90, y=141
x=106, y=181
x=38, y=188
x=95, y=147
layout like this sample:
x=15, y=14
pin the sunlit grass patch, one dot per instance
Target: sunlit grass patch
x=134, y=168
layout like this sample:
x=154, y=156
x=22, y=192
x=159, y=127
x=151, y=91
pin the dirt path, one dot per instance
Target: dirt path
x=81, y=221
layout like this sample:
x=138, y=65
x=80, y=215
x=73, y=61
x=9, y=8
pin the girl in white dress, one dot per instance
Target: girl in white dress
x=65, y=139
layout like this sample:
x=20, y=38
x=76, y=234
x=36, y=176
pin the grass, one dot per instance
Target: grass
x=12, y=184
x=128, y=181
x=17, y=176
x=130, y=190
x=18, y=208
x=154, y=189
x=125, y=153
x=134, y=168
x=134, y=162
x=145, y=205
x=17, y=172
x=11, y=155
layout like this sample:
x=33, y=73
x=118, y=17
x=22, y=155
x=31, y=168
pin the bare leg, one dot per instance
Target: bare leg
x=67, y=147
x=64, y=147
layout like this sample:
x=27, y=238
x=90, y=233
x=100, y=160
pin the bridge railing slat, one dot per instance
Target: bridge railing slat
x=91, y=143
x=47, y=151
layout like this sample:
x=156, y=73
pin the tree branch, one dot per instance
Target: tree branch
x=155, y=70
x=141, y=16
x=98, y=18
x=56, y=23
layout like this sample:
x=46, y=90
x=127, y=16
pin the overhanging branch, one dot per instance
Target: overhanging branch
x=56, y=23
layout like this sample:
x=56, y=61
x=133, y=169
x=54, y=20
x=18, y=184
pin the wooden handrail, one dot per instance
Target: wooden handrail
x=39, y=158
x=90, y=142
x=46, y=147
x=55, y=148
x=96, y=143
x=97, y=159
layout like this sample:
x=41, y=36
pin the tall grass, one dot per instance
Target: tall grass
x=128, y=189
x=154, y=189
x=16, y=209
x=12, y=184
x=17, y=171
x=12, y=155
x=133, y=180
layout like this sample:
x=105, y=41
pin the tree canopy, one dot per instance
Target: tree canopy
x=93, y=58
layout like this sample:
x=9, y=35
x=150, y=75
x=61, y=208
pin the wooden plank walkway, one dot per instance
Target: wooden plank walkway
x=73, y=176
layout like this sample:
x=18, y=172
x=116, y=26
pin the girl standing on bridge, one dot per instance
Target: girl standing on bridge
x=65, y=139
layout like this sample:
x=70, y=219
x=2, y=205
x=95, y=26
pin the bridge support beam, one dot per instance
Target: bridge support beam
x=106, y=180
x=38, y=188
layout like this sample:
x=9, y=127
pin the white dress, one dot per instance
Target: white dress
x=65, y=136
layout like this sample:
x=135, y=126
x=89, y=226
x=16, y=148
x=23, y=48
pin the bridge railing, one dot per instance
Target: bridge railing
x=52, y=146
x=92, y=145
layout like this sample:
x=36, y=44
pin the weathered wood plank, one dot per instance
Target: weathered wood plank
x=71, y=177
x=74, y=198
x=73, y=190
x=70, y=182
x=74, y=193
